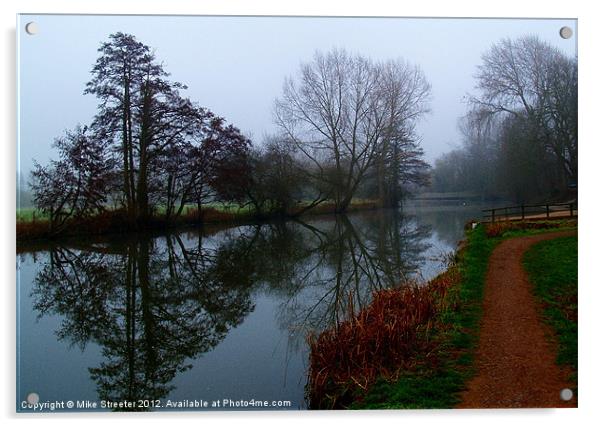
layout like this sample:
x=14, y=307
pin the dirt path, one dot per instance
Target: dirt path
x=515, y=363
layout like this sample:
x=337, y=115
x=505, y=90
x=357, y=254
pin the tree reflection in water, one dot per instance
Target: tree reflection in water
x=315, y=268
x=155, y=304
x=150, y=304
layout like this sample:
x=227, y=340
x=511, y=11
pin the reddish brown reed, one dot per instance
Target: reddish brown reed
x=209, y=215
x=112, y=221
x=30, y=229
x=497, y=229
x=378, y=341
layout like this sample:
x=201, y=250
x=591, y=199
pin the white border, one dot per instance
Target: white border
x=589, y=193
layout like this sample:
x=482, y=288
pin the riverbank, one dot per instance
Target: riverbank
x=30, y=228
x=440, y=357
x=552, y=269
x=251, y=281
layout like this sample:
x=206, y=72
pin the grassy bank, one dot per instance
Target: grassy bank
x=33, y=225
x=436, y=382
x=116, y=221
x=438, y=361
x=552, y=269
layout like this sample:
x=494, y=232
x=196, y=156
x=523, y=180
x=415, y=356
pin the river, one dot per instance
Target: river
x=192, y=317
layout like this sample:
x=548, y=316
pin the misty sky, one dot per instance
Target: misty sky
x=236, y=66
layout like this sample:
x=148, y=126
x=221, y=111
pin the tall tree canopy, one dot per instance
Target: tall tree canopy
x=520, y=137
x=164, y=150
x=345, y=112
x=152, y=124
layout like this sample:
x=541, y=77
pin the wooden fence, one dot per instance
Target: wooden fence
x=549, y=210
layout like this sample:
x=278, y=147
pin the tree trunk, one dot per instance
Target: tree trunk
x=126, y=143
x=142, y=192
x=142, y=187
x=343, y=205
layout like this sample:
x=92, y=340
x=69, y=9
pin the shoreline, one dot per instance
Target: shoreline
x=111, y=223
x=441, y=362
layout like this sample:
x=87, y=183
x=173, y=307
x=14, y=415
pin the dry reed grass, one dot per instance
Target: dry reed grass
x=497, y=229
x=378, y=341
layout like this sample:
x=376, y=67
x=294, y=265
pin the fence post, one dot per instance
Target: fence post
x=492, y=215
x=571, y=207
x=547, y=211
x=522, y=212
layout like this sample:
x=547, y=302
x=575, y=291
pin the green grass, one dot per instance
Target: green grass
x=28, y=214
x=439, y=386
x=222, y=207
x=552, y=269
x=34, y=225
x=556, y=225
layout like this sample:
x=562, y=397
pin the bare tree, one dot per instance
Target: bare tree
x=170, y=150
x=197, y=167
x=142, y=112
x=406, y=93
x=561, y=115
x=339, y=111
x=520, y=137
x=78, y=184
x=117, y=81
x=529, y=78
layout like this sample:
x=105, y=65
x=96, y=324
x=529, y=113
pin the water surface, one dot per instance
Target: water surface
x=207, y=316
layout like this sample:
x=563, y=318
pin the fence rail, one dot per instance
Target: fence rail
x=555, y=210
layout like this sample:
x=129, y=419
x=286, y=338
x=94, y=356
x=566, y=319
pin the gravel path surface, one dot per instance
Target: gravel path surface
x=515, y=360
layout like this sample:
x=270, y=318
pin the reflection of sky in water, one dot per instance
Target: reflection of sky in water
x=296, y=278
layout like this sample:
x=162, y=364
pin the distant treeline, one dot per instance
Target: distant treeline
x=24, y=196
x=345, y=129
x=520, y=135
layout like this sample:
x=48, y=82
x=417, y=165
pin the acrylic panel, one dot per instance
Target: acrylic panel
x=221, y=213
